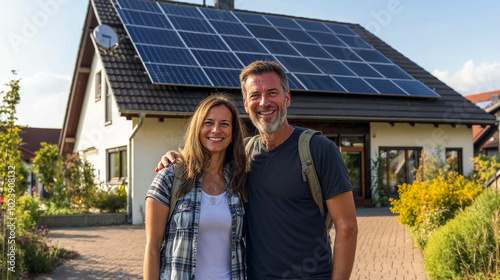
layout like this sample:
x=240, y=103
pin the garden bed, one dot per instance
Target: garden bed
x=83, y=220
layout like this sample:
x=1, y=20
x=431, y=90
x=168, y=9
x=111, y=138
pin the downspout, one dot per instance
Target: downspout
x=142, y=116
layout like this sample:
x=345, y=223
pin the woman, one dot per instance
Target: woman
x=203, y=238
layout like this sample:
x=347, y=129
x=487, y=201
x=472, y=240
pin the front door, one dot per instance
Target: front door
x=354, y=158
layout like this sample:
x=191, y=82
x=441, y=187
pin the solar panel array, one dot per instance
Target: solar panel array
x=196, y=46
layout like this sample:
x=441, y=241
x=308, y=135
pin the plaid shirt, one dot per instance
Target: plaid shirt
x=178, y=253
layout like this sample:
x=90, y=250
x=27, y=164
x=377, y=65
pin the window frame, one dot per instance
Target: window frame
x=387, y=163
x=108, y=109
x=459, y=156
x=98, y=86
x=122, y=168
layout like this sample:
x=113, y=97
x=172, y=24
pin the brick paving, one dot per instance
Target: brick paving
x=384, y=250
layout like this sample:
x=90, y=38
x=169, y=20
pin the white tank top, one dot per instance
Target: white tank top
x=214, y=238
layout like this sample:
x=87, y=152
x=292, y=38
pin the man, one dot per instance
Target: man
x=286, y=236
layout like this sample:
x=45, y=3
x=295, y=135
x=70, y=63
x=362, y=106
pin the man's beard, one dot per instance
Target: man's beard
x=270, y=128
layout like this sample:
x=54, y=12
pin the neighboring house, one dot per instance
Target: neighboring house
x=129, y=105
x=32, y=137
x=485, y=137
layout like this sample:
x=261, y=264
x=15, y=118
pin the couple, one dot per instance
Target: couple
x=285, y=232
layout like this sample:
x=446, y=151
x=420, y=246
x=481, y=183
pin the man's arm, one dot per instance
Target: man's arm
x=169, y=157
x=342, y=210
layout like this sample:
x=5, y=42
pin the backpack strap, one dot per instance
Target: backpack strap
x=249, y=144
x=175, y=188
x=309, y=174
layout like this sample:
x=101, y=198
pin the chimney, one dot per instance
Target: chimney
x=495, y=98
x=224, y=4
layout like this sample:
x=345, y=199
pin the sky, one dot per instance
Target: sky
x=457, y=41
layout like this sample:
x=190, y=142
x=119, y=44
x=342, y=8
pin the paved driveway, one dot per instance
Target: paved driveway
x=116, y=252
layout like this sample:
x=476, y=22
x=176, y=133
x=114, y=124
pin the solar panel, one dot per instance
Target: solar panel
x=152, y=36
x=416, y=88
x=313, y=25
x=362, y=69
x=352, y=84
x=311, y=50
x=327, y=39
x=385, y=87
x=160, y=54
x=278, y=47
x=371, y=55
x=320, y=82
x=297, y=64
x=217, y=59
x=191, y=24
x=203, y=41
x=354, y=41
x=144, y=19
x=244, y=44
x=228, y=28
x=340, y=29
x=248, y=58
x=140, y=5
x=296, y=35
x=332, y=67
x=224, y=77
x=342, y=53
x=180, y=10
x=180, y=75
x=190, y=45
x=265, y=32
x=283, y=22
x=252, y=18
x=219, y=15
x=391, y=71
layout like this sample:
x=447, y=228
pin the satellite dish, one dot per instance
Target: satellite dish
x=106, y=36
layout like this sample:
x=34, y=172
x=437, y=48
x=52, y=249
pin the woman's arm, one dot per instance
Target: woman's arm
x=156, y=220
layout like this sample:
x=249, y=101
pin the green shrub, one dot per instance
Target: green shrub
x=379, y=188
x=36, y=255
x=112, y=199
x=28, y=212
x=53, y=210
x=426, y=205
x=467, y=247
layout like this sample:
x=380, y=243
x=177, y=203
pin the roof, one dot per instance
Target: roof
x=482, y=96
x=135, y=94
x=32, y=138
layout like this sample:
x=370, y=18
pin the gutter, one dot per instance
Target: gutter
x=142, y=116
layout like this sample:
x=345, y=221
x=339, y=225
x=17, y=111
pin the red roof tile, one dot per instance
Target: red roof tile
x=482, y=96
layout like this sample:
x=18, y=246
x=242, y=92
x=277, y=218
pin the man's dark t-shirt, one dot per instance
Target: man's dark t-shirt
x=286, y=232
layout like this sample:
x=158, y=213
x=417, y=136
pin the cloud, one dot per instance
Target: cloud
x=43, y=100
x=472, y=79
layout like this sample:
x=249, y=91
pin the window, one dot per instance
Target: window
x=117, y=164
x=401, y=164
x=98, y=81
x=454, y=159
x=107, y=103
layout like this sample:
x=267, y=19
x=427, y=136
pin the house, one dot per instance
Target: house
x=143, y=66
x=485, y=137
x=32, y=137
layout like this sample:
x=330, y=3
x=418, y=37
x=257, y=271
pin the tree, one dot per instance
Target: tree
x=11, y=164
x=45, y=164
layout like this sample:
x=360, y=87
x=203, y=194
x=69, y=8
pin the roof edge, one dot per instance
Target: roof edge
x=162, y=114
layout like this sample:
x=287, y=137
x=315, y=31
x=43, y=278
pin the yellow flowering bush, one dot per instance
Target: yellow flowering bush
x=426, y=205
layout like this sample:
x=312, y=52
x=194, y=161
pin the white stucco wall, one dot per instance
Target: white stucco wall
x=93, y=135
x=426, y=136
x=152, y=140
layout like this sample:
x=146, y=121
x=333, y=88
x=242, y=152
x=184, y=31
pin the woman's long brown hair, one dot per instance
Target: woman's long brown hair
x=195, y=158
